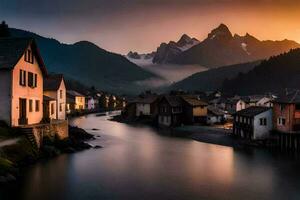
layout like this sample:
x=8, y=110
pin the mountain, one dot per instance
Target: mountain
x=165, y=53
x=222, y=48
x=212, y=79
x=272, y=75
x=89, y=64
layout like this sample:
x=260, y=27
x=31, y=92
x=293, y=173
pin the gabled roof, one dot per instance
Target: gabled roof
x=52, y=82
x=74, y=93
x=47, y=98
x=215, y=111
x=174, y=101
x=289, y=97
x=12, y=49
x=252, y=111
x=193, y=101
x=148, y=99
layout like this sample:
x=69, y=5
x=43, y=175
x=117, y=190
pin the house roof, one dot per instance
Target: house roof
x=52, y=82
x=193, y=101
x=252, y=111
x=289, y=97
x=12, y=49
x=215, y=111
x=47, y=98
x=148, y=99
x=74, y=93
x=174, y=101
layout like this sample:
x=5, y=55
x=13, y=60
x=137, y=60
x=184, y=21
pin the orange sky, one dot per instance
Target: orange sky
x=121, y=26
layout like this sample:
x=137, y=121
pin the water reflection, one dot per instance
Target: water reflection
x=138, y=163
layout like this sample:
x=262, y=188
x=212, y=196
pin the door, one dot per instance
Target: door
x=22, y=112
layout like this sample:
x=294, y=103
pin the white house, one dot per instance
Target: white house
x=235, y=104
x=22, y=71
x=91, y=103
x=54, y=87
x=253, y=123
x=145, y=105
x=214, y=115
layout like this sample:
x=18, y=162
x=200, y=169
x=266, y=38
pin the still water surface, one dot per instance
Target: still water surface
x=138, y=163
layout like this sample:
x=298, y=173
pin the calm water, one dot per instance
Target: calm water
x=138, y=163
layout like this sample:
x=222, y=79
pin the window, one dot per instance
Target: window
x=32, y=80
x=28, y=57
x=52, y=108
x=60, y=107
x=281, y=121
x=22, y=80
x=60, y=94
x=35, y=80
x=30, y=105
x=281, y=107
x=297, y=107
x=37, y=105
x=263, y=121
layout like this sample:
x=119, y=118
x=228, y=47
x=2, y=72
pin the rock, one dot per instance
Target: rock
x=95, y=129
x=7, y=178
x=69, y=150
x=98, y=147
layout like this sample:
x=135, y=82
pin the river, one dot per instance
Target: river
x=139, y=163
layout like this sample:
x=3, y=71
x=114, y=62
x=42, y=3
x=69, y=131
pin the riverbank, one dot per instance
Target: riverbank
x=17, y=156
x=206, y=134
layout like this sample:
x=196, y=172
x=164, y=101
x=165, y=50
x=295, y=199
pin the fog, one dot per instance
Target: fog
x=169, y=74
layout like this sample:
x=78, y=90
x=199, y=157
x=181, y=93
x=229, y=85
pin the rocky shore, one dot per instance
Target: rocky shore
x=16, y=157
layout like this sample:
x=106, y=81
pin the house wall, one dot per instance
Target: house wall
x=240, y=105
x=200, y=111
x=265, y=101
x=5, y=97
x=261, y=131
x=27, y=92
x=52, y=116
x=61, y=101
x=79, y=103
x=91, y=104
x=143, y=109
x=291, y=115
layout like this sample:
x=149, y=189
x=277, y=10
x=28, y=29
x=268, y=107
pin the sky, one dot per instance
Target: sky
x=141, y=25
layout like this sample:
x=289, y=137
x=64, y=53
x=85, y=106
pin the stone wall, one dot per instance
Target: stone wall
x=55, y=130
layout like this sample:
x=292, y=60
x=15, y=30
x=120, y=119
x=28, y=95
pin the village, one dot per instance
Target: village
x=270, y=118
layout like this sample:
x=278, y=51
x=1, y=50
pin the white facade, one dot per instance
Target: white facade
x=143, y=109
x=240, y=105
x=91, y=103
x=212, y=119
x=262, y=125
x=265, y=101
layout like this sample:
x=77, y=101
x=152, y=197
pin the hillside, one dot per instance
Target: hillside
x=89, y=64
x=273, y=75
x=212, y=79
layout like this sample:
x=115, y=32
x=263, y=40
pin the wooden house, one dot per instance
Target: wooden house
x=170, y=111
x=286, y=111
x=22, y=72
x=194, y=110
x=253, y=123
